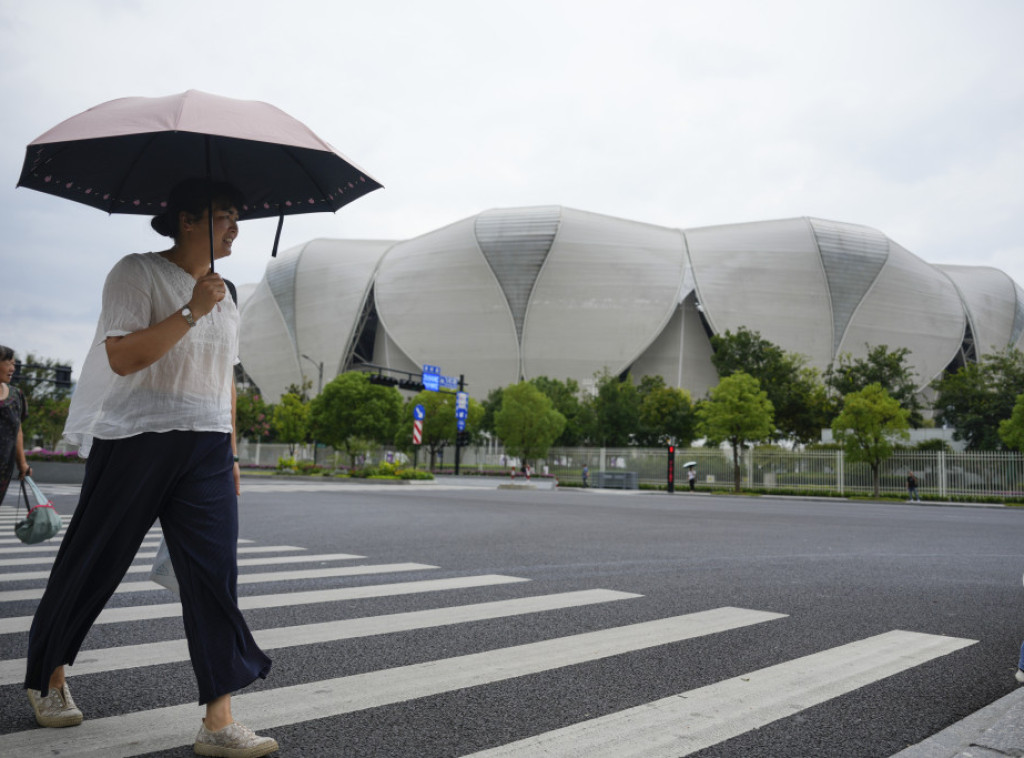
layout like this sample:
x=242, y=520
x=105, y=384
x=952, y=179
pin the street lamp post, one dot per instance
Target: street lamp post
x=320, y=373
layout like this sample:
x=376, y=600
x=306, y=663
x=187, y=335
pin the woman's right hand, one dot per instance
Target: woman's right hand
x=209, y=290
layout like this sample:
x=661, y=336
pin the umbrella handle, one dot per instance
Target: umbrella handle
x=209, y=181
x=210, y=225
x=277, y=236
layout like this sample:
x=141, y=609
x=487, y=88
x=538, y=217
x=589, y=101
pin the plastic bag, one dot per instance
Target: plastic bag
x=163, y=572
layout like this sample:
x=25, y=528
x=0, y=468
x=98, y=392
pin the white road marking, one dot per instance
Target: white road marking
x=282, y=600
x=172, y=651
x=48, y=546
x=147, y=567
x=692, y=721
x=167, y=728
x=12, y=596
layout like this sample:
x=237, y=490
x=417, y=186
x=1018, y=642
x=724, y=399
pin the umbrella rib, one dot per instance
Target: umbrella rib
x=323, y=195
x=116, y=194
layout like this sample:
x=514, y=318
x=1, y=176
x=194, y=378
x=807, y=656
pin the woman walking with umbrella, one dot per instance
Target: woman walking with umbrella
x=154, y=411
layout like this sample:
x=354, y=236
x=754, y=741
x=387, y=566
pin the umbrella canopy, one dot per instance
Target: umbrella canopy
x=124, y=156
x=688, y=464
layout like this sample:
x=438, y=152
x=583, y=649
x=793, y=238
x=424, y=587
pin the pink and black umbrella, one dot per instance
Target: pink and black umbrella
x=124, y=156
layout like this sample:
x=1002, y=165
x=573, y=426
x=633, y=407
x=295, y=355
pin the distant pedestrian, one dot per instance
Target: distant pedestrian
x=691, y=475
x=586, y=474
x=912, y=488
x=13, y=412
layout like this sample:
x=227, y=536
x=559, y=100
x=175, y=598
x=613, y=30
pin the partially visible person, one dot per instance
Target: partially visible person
x=154, y=411
x=13, y=411
x=691, y=475
x=912, y=495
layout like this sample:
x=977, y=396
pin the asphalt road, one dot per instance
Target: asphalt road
x=782, y=677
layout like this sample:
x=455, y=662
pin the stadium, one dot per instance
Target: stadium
x=517, y=293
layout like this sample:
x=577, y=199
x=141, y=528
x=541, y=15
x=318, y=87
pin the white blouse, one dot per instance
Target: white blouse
x=189, y=388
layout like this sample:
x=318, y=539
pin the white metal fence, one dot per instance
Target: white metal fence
x=939, y=474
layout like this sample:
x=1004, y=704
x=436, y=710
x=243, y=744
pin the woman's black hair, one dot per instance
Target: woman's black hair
x=6, y=353
x=194, y=197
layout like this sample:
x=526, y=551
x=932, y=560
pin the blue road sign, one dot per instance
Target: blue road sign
x=418, y=413
x=431, y=381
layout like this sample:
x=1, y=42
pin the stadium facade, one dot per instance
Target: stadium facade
x=518, y=293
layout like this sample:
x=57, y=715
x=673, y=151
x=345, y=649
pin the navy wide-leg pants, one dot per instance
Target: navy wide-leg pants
x=185, y=480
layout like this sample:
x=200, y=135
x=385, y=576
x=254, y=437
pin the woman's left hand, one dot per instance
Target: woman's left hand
x=24, y=469
x=238, y=479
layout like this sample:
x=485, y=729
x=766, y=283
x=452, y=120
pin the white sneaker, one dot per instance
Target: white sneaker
x=1019, y=676
x=233, y=741
x=56, y=709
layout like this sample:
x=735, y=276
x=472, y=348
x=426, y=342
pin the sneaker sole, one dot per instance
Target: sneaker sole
x=56, y=722
x=219, y=751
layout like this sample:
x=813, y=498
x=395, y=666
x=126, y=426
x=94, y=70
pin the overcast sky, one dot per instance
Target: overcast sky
x=903, y=115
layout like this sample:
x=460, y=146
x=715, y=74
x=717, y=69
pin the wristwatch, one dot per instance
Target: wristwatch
x=187, y=313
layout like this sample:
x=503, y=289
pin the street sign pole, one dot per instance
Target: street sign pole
x=458, y=447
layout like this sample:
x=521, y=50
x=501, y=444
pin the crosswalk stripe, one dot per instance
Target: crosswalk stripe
x=692, y=721
x=170, y=727
x=172, y=651
x=281, y=600
x=11, y=596
x=278, y=560
x=44, y=560
x=46, y=546
x=151, y=540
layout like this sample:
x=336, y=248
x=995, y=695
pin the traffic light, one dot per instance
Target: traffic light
x=410, y=384
x=386, y=381
x=462, y=439
x=62, y=376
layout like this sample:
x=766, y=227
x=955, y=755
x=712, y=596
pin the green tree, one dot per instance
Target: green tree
x=1011, y=430
x=252, y=415
x=796, y=390
x=616, y=409
x=868, y=426
x=45, y=422
x=565, y=396
x=882, y=366
x=36, y=378
x=666, y=413
x=302, y=390
x=291, y=421
x=350, y=412
x=47, y=402
x=528, y=423
x=737, y=411
x=491, y=406
x=978, y=396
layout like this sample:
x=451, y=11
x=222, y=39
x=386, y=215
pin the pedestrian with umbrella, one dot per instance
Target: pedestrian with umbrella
x=153, y=410
x=154, y=407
